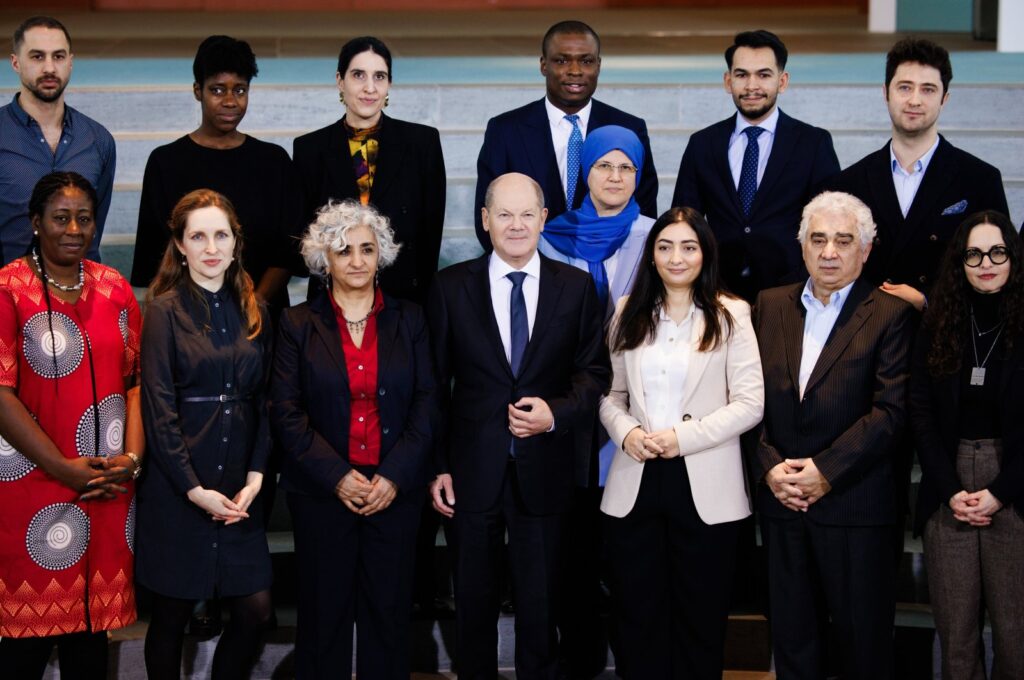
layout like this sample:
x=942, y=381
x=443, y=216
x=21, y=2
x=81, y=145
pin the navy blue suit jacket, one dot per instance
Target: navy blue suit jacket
x=760, y=250
x=909, y=249
x=520, y=141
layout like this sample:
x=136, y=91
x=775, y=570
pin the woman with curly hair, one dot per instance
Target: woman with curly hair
x=967, y=387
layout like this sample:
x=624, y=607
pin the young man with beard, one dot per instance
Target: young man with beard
x=39, y=134
x=751, y=174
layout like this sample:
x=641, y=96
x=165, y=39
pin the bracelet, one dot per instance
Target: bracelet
x=138, y=463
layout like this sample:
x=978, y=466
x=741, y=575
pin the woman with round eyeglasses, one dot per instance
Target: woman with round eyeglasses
x=967, y=387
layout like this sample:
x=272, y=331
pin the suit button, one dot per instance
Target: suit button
x=746, y=230
x=933, y=237
x=382, y=392
x=415, y=283
x=686, y=417
x=385, y=430
x=922, y=279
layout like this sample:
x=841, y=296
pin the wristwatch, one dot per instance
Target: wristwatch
x=138, y=463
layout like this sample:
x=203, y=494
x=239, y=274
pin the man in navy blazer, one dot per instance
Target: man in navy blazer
x=919, y=186
x=534, y=139
x=518, y=338
x=752, y=194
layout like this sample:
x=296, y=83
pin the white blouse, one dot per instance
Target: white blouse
x=663, y=367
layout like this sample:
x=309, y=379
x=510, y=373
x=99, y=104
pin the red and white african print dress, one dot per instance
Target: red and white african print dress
x=66, y=566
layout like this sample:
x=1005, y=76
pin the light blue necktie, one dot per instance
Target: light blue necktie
x=572, y=161
x=748, y=171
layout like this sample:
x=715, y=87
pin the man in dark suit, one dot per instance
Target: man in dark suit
x=919, y=186
x=752, y=192
x=539, y=139
x=834, y=351
x=518, y=337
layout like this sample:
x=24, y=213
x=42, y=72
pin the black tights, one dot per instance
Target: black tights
x=236, y=650
x=82, y=656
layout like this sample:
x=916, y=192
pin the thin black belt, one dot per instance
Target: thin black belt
x=222, y=398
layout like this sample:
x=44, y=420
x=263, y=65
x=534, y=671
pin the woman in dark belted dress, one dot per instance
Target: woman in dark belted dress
x=205, y=357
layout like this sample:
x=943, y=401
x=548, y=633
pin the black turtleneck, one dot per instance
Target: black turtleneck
x=979, y=404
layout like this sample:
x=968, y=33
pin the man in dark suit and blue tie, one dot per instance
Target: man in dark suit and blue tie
x=542, y=139
x=519, y=339
x=919, y=186
x=752, y=173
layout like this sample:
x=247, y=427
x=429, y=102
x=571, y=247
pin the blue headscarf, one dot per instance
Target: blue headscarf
x=583, y=233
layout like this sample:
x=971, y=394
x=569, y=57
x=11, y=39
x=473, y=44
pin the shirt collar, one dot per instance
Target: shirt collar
x=836, y=300
x=768, y=124
x=557, y=115
x=497, y=268
x=920, y=165
x=22, y=116
x=662, y=316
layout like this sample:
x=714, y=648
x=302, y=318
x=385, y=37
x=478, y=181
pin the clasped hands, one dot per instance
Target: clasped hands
x=224, y=509
x=98, y=477
x=641, y=445
x=365, y=496
x=797, y=483
x=975, y=508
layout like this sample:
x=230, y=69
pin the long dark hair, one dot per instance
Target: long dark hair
x=638, y=322
x=172, y=274
x=948, y=315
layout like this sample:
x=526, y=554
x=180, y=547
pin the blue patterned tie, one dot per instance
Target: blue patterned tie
x=572, y=163
x=520, y=325
x=748, y=173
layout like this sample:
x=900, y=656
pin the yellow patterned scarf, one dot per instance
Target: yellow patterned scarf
x=363, y=145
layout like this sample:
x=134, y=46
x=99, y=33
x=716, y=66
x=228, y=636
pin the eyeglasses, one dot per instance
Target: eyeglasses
x=626, y=170
x=996, y=255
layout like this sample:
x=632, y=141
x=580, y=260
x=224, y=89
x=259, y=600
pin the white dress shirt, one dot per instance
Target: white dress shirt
x=738, y=145
x=501, y=295
x=663, y=367
x=907, y=183
x=818, y=326
x=560, y=131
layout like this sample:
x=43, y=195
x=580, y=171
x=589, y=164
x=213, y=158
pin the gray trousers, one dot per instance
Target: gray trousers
x=972, y=570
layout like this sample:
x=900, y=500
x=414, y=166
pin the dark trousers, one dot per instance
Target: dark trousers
x=671, y=578
x=841, y=574
x=82, y=656
x=354, y=570
x=534, y=550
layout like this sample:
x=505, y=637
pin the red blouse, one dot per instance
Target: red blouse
x=361, y=364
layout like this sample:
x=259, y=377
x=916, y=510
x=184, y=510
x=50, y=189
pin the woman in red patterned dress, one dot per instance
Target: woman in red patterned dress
x=70, y=442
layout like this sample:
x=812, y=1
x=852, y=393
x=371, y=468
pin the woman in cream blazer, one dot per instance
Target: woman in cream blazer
x=687, y=383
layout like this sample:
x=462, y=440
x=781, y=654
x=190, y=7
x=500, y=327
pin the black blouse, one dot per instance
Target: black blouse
x=979, y=404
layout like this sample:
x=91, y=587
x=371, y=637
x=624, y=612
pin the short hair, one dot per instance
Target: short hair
x=755, y=40
x=366, y=43
x=839, y=202
x=36, y=22
x=920, y=51
x=329, y=234
x=489, y=195
x=571, y=27
x=224, y=54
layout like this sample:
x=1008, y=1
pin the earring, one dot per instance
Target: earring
x=184, y=261
x=35, y=233
x=376, y=279
x=341, y=97
x=387, y=98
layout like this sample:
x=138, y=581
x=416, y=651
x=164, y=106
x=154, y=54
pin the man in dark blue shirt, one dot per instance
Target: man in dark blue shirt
x=39, y=134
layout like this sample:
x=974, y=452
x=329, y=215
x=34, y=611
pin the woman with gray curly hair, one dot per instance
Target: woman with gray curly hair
x=353, y=393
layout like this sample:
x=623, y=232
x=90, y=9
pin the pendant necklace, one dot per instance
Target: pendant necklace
x=978, y=371
x=72, y=288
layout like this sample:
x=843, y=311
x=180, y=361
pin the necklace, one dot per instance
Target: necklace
x=57, y=284
x=978, y=371
x=358, y=326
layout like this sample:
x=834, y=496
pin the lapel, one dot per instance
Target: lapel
x=477, y=288
x=782, y=148
x=883, y=196
x=540, y=150
x=548, y=295
x=387, y=332
x=1016, y=359
x=720, y=134
x=636, y=383
x=937, y=178
x=390, y=153
x=855, y=312
x=698, y=360
x=629, y=263
x=326, y=326
x=793, y=317
x=341, y=175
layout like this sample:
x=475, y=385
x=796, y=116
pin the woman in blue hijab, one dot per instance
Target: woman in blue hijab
x=605, y=236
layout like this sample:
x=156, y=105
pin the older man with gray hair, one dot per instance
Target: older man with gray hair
x=835, y=356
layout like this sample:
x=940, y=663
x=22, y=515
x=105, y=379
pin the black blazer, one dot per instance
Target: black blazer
x=310, y=397
x=935, y=419
x=565, y=363
x=854, y=405
x=520, y=141
x=764, y=243
x=909, y=250
x=409, y=188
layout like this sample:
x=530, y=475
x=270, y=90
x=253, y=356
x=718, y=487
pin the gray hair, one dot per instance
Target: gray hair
x=329, y=234
x=839, y=202
x=492, y=187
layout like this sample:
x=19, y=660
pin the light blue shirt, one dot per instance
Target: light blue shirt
x=907, y=183
x=818, y=326
x=738, y=145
